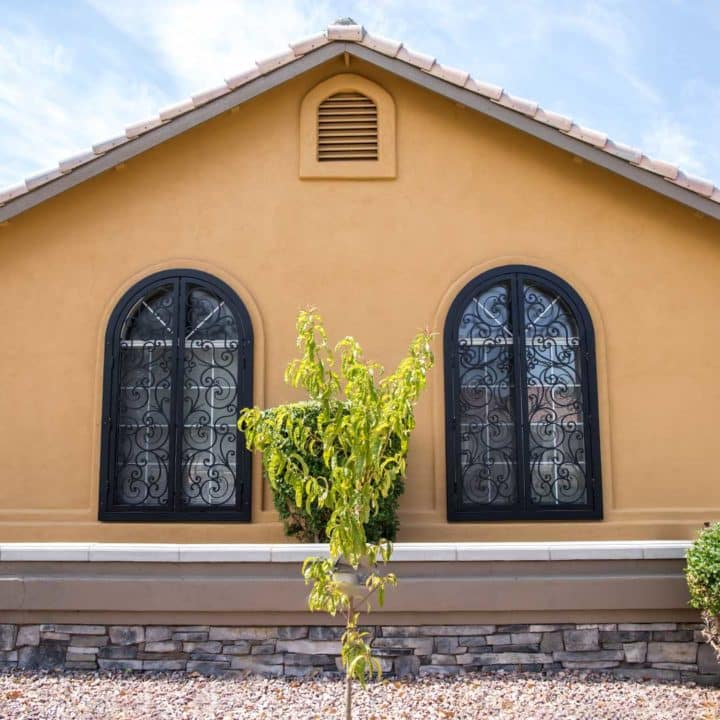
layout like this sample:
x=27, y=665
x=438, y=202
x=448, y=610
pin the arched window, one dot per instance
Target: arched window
x=178, y=370
x=521, y=400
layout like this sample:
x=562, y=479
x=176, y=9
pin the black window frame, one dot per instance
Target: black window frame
x=515, y=275
x=109, y=510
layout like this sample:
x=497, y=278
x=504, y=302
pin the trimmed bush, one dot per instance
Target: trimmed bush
x=703, y=578
x=308, y=523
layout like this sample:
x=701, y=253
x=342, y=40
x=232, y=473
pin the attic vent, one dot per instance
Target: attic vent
x=347, y=128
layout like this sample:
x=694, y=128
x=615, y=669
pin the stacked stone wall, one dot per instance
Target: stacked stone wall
x=660, y=651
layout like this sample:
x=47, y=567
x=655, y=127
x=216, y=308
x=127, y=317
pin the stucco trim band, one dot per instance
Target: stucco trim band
x=286, y=552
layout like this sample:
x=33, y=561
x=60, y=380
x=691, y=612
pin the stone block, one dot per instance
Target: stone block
x=8, y=656
x=82, y=650
x=440, y=670
x=300, y=659
x=545, y=628
x=28, y=635
x=237, y=648
x=591, y=655
x=214, y=646
x=42, y=657
x=672, y=636
x=674, y=652
x=167, y=646
x=449, y=646
x=239, y=633
x=433, y=630
x=407, y=666
x=79, y=657
x=647, y=627
x=320, y=632
x=118, y=652
x=310, y=647
x=440, y=659
x=250, y=661
x=267, y=649
x=707, y=661
x=500, y=639
x=421, y=646
x=525, y=638
x=162, y=665
x=8, y=633
x=684, y=667
x=190, y=636
x=191, y=628
x=635, y=652
x=511, y=658
x=473, y=641
x=589, y=664
x=551, y=641
x=157, y=633
x=75, y=629
x=580, y=640
x=113, y=664
x=54, y=636
x=127, y=634
x=617, y=636
x=205, y=667
x=89, y=640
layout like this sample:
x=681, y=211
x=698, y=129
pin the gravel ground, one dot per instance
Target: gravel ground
x=570, y=696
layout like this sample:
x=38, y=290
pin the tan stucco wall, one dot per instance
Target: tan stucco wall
x=380, y=259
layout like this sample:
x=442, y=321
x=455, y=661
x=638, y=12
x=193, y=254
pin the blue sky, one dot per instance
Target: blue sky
x=73, y=72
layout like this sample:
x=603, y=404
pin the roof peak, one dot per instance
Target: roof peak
x=345, y=29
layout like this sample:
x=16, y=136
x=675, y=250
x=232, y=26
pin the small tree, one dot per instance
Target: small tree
x=363, y=426
x=703, y=578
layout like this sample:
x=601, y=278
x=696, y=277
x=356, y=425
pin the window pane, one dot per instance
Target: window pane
x=486, y=414
x=210, y=401
x=145, y=373
x=554, y=394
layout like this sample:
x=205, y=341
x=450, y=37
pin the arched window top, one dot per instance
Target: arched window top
x=178, y=359
x=522, y=440
x=347, y=130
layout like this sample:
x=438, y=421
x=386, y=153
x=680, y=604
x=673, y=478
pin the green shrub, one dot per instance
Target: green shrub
x=702, y=572
x=308, y=523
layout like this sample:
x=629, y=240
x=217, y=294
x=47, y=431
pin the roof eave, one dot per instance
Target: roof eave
x=400, y=68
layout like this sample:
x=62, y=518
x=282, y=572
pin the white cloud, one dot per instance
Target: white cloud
x=670, y=141
x=199, y=41
x=51, y=108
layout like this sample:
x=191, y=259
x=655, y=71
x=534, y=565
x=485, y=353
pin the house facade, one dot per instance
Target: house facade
x=151, y=287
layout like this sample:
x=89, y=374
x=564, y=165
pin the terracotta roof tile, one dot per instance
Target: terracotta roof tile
x=172, y=111
x=424, y=62
x=44, y=176
x=526, y=107
x=301, y=47
x=208, y=95
x=494, y=92
x=243, y=77
x=75, y=161
x=381, y=44
x=347, y=30
x=132, y=131
x=659, y=167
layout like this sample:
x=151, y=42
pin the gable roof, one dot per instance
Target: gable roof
x=346, y=36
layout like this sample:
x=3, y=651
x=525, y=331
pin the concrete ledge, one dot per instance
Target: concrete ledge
x=295, y=552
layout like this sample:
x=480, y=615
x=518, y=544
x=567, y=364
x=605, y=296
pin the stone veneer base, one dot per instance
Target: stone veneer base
x=659, y=651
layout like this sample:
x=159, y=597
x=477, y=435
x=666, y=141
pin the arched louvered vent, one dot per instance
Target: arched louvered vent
x=347, y=128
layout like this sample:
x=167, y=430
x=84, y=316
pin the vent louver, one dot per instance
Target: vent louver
x=347, y=128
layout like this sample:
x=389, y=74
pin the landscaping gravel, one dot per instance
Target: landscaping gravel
x=570, y=696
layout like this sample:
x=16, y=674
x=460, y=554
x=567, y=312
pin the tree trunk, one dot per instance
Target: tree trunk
x=348, y=697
